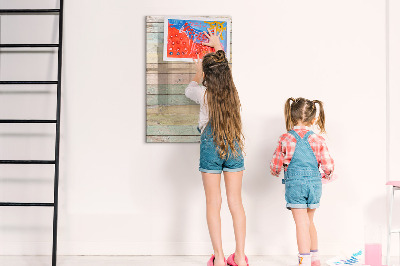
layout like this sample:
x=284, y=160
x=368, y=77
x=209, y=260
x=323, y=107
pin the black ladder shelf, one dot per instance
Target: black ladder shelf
x=57, y=82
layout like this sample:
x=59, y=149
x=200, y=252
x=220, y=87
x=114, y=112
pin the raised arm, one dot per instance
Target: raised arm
x=199, y=70
x=194, y=91
x=213, y=41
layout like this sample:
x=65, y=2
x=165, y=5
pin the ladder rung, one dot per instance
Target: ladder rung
x=27, y=161
x=27, y=121
x=29, y=82
x=29, y=204
x=33, y=45
x=28, y=11
x=395, y=231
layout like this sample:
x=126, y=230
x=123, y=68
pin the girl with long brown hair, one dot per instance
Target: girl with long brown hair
x=220, y=147
x=302, y=153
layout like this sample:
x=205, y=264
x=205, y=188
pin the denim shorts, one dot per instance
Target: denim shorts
x=303, y=193
x=211, y=161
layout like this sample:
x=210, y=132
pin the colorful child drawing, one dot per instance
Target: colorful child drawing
x=183, y=37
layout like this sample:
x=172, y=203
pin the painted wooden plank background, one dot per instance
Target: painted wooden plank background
x=171, y=117
x=171, y=68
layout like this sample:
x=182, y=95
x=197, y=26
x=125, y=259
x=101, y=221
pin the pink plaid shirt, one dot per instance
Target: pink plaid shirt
x=287, y=144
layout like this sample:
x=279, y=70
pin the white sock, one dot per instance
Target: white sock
x=305, y=260
x=314, y=255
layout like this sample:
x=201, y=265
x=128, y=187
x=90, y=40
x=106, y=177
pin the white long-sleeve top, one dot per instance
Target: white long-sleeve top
x=196, y=93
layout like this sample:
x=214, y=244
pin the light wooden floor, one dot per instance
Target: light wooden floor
x=145, y=260
x=135, y=260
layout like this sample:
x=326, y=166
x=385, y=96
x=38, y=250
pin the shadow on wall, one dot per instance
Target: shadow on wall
x=375, y=213
x=263, y=193
x=375, y=219
x=27, y=183
x=185, y=186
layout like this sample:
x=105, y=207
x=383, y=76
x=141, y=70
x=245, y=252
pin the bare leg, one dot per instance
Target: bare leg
x=302, y=221
x=313, y=230
x=233, y=183
x=212, y=188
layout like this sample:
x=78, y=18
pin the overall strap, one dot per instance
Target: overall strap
x=294, y=133
x=297, y=136
x=308, y=134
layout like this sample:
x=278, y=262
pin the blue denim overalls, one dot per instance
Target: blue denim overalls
x=210, y=160
x=302, y=181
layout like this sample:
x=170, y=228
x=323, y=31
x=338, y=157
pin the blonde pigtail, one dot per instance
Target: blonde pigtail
x=288, y=114
x=321, y=116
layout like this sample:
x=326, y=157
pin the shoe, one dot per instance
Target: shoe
x=211, y=260
x=316, y=263
x=304, y=260
x=231, y=260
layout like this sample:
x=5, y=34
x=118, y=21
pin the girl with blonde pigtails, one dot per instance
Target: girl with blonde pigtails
x=302, y=154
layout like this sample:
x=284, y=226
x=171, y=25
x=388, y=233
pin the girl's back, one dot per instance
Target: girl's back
x=287, y=146
x=302, y=153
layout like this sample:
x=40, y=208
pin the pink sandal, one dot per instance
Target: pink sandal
x=231, y=260
x=211, y=261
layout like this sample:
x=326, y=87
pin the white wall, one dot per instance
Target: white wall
x=120, y=195
x=394, y=110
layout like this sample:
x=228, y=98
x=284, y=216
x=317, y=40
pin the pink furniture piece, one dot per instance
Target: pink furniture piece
x=394, y=185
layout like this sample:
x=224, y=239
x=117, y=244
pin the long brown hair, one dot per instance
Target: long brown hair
x=223, y=104
x=303, y=110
